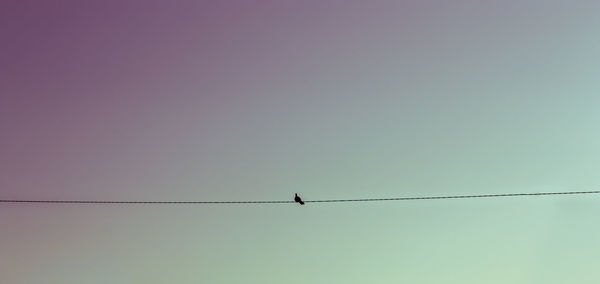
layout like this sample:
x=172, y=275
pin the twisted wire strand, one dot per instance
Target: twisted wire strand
x=123, y=202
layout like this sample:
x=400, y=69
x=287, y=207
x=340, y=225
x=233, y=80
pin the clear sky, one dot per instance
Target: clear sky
x=256, y=100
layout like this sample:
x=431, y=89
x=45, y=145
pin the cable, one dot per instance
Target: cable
x=459, y=196
x=306, y=201
x=138, y=202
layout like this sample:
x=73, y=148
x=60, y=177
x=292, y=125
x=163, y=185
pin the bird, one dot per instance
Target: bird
x=298, y=199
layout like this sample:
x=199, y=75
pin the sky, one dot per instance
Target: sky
x=258, y=100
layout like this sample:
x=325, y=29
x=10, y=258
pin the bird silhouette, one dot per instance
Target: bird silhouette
x=298, y=199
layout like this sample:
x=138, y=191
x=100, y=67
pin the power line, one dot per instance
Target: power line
x=139, y=202
x=290, y=201
x=459, y=196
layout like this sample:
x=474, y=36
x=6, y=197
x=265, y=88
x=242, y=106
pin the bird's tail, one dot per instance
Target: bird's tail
x=301, y=202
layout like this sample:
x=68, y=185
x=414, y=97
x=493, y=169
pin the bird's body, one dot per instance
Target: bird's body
x=298, y=199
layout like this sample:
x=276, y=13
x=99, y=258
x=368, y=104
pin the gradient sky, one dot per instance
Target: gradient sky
x=256, y=100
